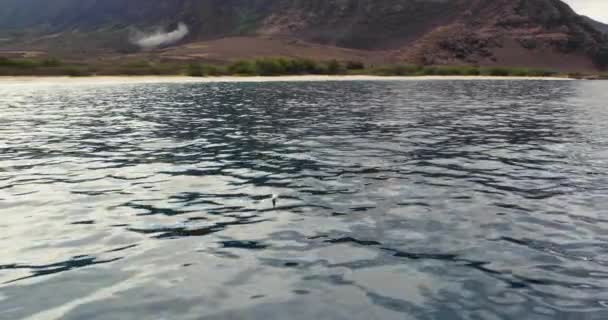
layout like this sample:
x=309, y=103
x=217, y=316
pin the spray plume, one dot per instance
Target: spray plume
x=160, y=37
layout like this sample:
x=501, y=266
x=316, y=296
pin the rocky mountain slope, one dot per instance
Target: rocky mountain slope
x=543, y=33
x=598, y=25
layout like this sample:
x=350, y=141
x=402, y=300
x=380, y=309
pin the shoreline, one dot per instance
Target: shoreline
x=63, y=80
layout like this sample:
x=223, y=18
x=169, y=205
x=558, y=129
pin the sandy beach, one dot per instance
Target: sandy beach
x=184, y=79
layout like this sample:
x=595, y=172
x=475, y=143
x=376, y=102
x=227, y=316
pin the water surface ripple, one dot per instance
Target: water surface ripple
x=398, y=200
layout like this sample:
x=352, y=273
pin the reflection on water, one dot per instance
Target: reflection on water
x=398, y=200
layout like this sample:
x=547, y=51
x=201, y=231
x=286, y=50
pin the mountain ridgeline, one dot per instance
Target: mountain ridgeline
x=545, y=33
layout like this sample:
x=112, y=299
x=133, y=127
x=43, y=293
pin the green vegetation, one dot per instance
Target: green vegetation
x=245, y=68
x=334, y=67
x=282, y=66
x=255, y=67
x=410, y=70
x=195, y=70
x=28, y=63
x=270, y=67
x=56, y=67
x=48, y=66
x=355, y=65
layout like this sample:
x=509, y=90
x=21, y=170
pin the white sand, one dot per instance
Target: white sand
x=184, y=79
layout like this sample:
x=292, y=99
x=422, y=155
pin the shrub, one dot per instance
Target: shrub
x=260, y=66
x=302, y=66
x=242, y=67
x=270, y=66
x=541, y=73
x=309, y=66
x=195, y=70
x=471, y=71
x=449, y=71
x=520, y=72
x=496, y=71
x=213, y=70
x=413, y=70
x=406, y=70
x=355, y=65
x=76, y=72
x=384, y=71
x=287, y=66
x=18, y=63
x=428, y=71
x=51, y=62
x=334, y=67
x=267, y=67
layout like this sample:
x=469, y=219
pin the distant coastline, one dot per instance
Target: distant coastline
x=268, y=68
x=65, y=80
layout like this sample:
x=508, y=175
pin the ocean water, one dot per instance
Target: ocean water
x=443, y=199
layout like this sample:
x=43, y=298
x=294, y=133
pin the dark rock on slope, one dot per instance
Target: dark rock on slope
x=542, y=33
x=596, y=24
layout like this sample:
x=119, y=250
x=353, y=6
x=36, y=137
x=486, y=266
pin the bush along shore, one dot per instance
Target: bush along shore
x=262, y=67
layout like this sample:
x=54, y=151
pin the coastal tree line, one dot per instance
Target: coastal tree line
x=268, y=66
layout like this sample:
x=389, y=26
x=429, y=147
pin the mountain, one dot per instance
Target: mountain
x=597, y=25
x=536, y=33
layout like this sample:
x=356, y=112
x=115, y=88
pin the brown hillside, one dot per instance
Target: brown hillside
x=536, y=33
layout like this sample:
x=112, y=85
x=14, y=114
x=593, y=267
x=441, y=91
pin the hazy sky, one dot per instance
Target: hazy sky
x=596, y=9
